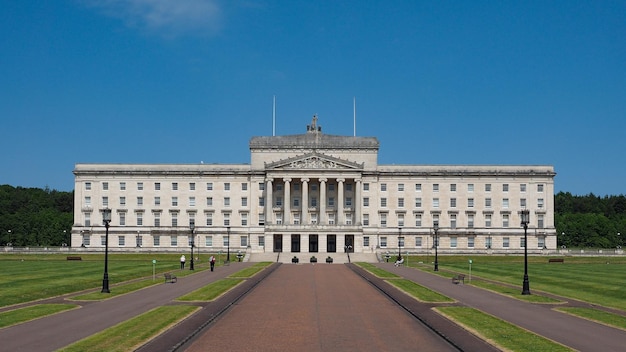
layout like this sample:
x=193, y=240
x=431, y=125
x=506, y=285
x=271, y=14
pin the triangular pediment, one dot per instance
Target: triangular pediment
x=314, y=161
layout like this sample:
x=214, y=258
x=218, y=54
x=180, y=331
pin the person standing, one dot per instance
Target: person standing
x=182, y=262
x=212, y=261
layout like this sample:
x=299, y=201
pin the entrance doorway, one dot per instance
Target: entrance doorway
x=331, y=243
x=313, y=244
x=349, y=244
x=278, y=243
x=295, y=243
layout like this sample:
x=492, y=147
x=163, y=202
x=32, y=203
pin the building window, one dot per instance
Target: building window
x=383, y=241
x=279, y=201
x=209, y=186
x=522, y=187
x=157, y=240
x=209, y=219
x=88, y=186
x=540, y=221
x=105, y=202
x=383, y=220
x=470, y=202
x=470, y=220
x=105, y=186
x=225, y=241
x=174, y=241
x=453, y=221
x=488, y=242
x=261, y=241
x=366, y=201
x=400, y=202
x=487, y=202
x=157, y=219
x=174, y=186
x=226, y=219
x=139, y=201
x=487, y=220
x=192, y=186
x=244, y=186
x=505, y=242
x=522, y=203
x=505, y=220
x=418, y=241
x=541, y=242
x=435, y=187
x=88, y=201
x=121, y=240
x=261, y=186
x=348, y=187
x=261, y=219
x=522, y=243
x=140, y=186
x=540, y=203
x=314, y=202
x=192, y=201
x=453, y=242
x=122, y=217
x=366, y=241
x=452, y=202
x=470, y=187
x=243, y=241
x=488, y=187
x=348, y=201
x=174, y=201
x=174, y=219
x=418, y=187
x=418, y=202
x=348, y=219
x=453, y=187
x=400, y=241
x=314, y=218
x=470, y=242
x=122, y=201
x=401, y=220
x=400, y=187
x=331, y=201
x=296, y=202
x=157, y=186
x=244, y=201
x=505, y=187
x=209, y=201
x=261, y=201
x=331, y=187
x=366, y=219
x=540, y=187
x=383, y=187
x=244, y=219
x=103, y=240
x=331, y=219
x=227, y=201
x=157, y=201
x=505, y=203
x=122, y=186
x=139, y=219
x=418, y=220
x=208, y=241
x=366, y=186
x=435, y=202
x=383, y=202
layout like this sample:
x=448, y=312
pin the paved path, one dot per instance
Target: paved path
x=579, y=334
x=317, y=308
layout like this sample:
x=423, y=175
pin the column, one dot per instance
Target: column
x=269, y=207
x=305, y=201
x=357, y=202
x=287, y=202
x=340, y=201
x=322, y=220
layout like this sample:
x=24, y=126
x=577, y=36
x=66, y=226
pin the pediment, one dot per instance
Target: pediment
x=314, y=161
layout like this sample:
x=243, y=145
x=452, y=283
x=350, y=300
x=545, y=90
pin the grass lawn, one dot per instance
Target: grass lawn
x=420, y=292
x=498, y=332
x=129, y=335
x=381, y=273
x=598, y=280
x=618, y=321
x=211, y=291
x=25, y=314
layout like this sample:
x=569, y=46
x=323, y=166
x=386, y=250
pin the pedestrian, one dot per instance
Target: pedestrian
x=182, y=262
x=212, y=261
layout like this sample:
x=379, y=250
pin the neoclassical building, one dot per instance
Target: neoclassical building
x=314, y=193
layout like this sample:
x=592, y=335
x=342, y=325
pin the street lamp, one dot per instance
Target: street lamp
x=399, y=237
x=525, y=220
x=192, y=226
x=106, y=218
x=228, y=245
x=436, y=228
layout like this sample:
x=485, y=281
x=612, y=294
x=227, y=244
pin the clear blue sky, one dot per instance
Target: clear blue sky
x=438, y=82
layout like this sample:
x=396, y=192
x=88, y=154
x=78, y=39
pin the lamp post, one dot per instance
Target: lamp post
x=228, y=245
x=436, y=229
x=399, y=238
x=106, y=218
x=192, y=226
x=525, y=220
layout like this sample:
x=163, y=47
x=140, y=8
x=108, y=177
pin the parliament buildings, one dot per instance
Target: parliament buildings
x=314, y=193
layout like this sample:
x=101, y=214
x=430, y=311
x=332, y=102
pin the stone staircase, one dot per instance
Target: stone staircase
x=304, y=258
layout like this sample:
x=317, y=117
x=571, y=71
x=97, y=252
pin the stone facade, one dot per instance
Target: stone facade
x=315, y=193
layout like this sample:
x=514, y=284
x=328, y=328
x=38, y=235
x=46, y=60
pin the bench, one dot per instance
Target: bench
x=457, y=279
x=169, y=278
x=556, y=260
x=74, y=258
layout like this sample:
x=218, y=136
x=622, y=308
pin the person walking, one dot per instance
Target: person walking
x=182, y=262
x=212, y=261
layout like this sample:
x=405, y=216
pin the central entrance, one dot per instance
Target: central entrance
x=331, y=243
x=313, y=244
x=349, y=244
x=278, y=243
x=295, y=243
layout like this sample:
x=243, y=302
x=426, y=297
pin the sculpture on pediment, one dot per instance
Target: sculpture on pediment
x=313, y=163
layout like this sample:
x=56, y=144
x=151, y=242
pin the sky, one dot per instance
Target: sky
x=437, y=82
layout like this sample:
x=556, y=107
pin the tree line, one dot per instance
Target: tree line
x=44, y=217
